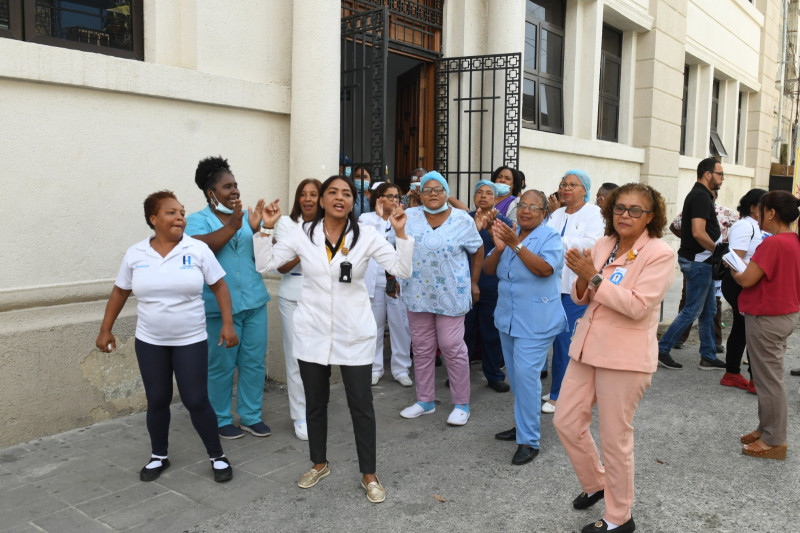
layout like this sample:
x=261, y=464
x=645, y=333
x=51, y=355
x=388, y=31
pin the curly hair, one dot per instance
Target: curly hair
x=209, y=171
x=656, y=226
x=516, y=179
x=153, y=202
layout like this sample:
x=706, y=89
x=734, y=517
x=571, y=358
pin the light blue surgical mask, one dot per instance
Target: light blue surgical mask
x=435, y=211
x=415, y=186
x=502, y=189
x=348, y=171
x=360, y=183
x=219, y=207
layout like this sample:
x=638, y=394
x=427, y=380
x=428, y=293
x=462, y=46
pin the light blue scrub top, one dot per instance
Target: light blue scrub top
x=529, y=306
x=237, y=258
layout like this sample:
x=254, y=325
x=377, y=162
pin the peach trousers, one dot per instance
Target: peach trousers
x=617, y=394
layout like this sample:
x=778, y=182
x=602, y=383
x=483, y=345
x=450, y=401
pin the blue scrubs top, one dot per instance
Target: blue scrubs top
x=488, y=283
x=529, y=306
x=237, y=258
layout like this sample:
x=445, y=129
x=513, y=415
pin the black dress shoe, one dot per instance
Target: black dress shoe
x=511, y=434
x=795, y=371
x=601, y=525
x=500, y=386
x=584, y=501
x=544, y=374
x=151, y=474
x=524, y=454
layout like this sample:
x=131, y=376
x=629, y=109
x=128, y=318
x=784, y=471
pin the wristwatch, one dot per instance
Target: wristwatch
x=595, y=281
x=267, y=232
x=518, y=248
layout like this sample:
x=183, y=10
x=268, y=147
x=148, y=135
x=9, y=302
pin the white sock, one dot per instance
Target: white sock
x=219, y=465
x=590, y=494
x=611, y=525
x=155, y=461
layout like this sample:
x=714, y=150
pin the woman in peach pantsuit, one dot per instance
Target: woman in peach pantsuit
x=614, y=351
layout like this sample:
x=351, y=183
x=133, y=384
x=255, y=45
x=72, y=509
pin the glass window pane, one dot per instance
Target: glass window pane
x=4, y=15
x=612, y=41
x=607, y=121
x=552, y=115
x=714, y=107
x=551, y=54
x=529, y=101
x=610, y=83
x=551, y=11
x=100, y=22
x=530, y=46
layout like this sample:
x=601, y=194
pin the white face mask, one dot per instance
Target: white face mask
x=219, y=207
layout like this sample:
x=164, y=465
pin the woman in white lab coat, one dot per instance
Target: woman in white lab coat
x=333, y=323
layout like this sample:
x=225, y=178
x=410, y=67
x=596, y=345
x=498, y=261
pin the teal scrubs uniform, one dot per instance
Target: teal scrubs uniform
x=249, y=299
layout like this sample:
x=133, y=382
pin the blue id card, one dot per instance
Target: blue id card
x=616, y=277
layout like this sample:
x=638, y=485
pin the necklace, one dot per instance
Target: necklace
x=328, y=235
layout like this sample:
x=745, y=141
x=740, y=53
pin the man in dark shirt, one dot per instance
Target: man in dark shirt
x=699, y=232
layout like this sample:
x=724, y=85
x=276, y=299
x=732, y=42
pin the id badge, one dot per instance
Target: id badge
x=346, y=272
x=616, y=277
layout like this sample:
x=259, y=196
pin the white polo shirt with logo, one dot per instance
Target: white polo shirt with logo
x=170, y=290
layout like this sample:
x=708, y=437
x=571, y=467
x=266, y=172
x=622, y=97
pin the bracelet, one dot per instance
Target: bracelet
x=267, y=232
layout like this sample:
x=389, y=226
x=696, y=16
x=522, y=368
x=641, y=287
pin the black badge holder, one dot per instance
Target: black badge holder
x=345, y=268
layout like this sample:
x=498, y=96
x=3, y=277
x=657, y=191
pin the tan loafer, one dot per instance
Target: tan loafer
x=312, y=477
x=375, y=491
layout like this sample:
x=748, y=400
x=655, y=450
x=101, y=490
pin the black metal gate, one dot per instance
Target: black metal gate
x=480, y=131
x=363, y=91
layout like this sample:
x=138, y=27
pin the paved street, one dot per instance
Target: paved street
x=691, y=475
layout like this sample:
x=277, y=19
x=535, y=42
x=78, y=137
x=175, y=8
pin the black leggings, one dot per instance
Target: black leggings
x=190, y=365
x=357, y=387
x=736, y=339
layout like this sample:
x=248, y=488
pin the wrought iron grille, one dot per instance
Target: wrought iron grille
x=480, y=130
x=413, y=25
x=363, y=90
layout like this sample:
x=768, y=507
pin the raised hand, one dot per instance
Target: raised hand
x=235, y=220
x=581, y=263
x=506, y=234
x=499, y=243
x=254, y=215
x=553, y=203
x=270, y=214
x=397, y=218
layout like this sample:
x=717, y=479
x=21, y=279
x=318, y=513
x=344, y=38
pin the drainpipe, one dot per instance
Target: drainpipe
x=779, y=137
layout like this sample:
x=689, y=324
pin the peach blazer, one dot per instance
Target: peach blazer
x=618, y=329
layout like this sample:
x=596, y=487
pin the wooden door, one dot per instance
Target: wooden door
x=414, y=122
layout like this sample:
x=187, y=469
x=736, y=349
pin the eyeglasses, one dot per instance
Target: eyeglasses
x=433, y=190
x=528, y=207
x=391, y=196
x=634, y=212
x=565, y=185
x=718, y=173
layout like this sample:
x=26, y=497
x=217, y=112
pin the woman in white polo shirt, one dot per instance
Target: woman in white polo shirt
x=167, y=272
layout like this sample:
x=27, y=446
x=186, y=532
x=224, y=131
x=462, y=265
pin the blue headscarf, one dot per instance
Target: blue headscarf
x=433, y=175
x=488, y=183
x=586, y=181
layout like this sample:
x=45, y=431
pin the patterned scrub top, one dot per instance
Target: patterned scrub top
x=441, y=281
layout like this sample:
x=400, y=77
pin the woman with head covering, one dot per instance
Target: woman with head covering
x=529, y=314
x=228, y=230
x=614, y=352
x=168, y=272
x=382, y=288
x=508, y=185
x=333, y=323
x=439, y=293
x=770, y=301
x=743, y=240
x=580, y=224
x=306, y=204
x=480, y=333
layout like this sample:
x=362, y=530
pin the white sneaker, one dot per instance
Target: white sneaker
x=405, y=381
x=375, y=379
x=301, y=431
x=458, y=417
x=546, y=397
x=548, y=408
x=416, y=410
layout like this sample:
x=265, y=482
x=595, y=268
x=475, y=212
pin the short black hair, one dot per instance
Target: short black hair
x=750, y=199
x=516, y=179
x=706, y=165
x=209, y=171
x=153, y=202
x=785, y=204
x=607, y=186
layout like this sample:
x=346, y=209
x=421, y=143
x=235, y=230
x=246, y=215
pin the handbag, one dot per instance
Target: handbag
x=718, y=267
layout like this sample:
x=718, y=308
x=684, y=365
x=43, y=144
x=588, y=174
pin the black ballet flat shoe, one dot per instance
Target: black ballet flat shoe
x=524, y=454
x=151, y=474
x=510, y=434
x=601, y=526
x=584, y=501
x=222, y=475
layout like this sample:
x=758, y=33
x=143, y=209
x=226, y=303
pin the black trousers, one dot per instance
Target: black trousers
x=358, y=388
x=190, y=366
x=736, y=339
x=479, y=328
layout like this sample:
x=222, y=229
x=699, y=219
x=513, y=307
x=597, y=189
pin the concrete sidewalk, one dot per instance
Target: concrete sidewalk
x=691, y=475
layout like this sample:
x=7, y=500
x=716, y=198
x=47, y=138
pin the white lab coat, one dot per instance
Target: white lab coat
x=333, y=323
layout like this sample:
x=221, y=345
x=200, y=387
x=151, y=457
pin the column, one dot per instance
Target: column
x=584, y=31
x=314, y=128
x=701, y=132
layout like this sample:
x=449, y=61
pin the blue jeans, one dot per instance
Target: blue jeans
x=524, y=359
x=562, y=342
x=700, y=302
